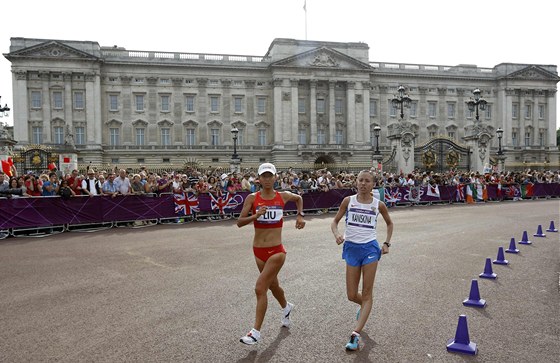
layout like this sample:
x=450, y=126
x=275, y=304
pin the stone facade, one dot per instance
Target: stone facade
x=302, y=102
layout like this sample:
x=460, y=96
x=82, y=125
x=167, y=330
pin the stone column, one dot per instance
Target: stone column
x=351, y=113
x=21, y=107
x=332, y=115
x=551, y=117
x=68, y=101
x=202, y=109
x=294, y=112
x=98, y=119
x=45, y=79
x=313, y=110
x=366, y=117
x=278, y=129
x=90, y=108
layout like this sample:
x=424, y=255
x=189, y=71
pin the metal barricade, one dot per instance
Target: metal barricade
x=37, y=231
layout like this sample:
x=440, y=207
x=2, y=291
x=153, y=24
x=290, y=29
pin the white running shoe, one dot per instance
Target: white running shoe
x=286, y=315
x=251, y=338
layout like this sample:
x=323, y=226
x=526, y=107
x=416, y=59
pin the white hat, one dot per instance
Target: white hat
x=224, y=175
x=267, y=167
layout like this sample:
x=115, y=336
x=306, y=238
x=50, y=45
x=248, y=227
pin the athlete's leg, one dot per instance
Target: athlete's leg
x=369, y=271
x=353, y=282
x=269, y=272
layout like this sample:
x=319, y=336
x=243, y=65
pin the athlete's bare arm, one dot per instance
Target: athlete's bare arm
x=334, y=225
x=244, y=217
x=298, y=200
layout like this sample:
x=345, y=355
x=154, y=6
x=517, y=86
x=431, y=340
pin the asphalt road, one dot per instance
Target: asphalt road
x=184, y=293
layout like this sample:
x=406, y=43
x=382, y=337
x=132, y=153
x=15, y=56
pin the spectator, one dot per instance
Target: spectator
x=123, y=183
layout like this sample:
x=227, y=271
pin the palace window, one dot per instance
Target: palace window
x=57, y=100
x=338, y=106
x=140, y=135
x=36, y=101
x=432, y=109
x=262, y=137
x=451, y=110
x=321, y=105
x=189, y=103
x=165, y=103
x=321, y=139
x=80, y=133
x=214, y=136
x=302, y=136
x=165, y=136
x=113, y=103
x=542, y=111
x=301, y=105
x=514, y=110
x=58, y=135
x=78, y=100
x=114, y=136
x=261, y=105
x=190, y=137
x=238, y=104
x=372, y=108
x=37, y=135
x=139, y=103
x=214, y=104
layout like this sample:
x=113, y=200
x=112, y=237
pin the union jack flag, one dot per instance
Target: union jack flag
x=186, y=204
x=222, y=202
x=513, y=191
x=392, y=196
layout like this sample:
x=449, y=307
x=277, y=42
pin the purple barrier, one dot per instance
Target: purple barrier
x=54, y=211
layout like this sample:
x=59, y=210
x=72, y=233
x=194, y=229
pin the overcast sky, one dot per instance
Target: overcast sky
x=438, y=32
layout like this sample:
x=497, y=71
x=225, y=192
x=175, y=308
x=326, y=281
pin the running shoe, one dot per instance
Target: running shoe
x=354, y=342
x=286, y=315
x=251, y=338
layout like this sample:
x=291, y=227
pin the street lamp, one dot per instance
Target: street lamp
x=477, y=102
x=401, y=100
x=500, y=134
x=234, y=133
x=376, y=132
x=4, y=111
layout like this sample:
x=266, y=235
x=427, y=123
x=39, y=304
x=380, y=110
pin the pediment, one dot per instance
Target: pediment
x=53, y=50
x=322, y=58
x=534, y=72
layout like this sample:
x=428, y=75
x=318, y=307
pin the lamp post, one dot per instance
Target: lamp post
x=234, y=133
x=501, y=157
x=476, y=103
x=376, y=132
x=4, y=111
x=401, y=100
x=376, y=154
x=500, y=134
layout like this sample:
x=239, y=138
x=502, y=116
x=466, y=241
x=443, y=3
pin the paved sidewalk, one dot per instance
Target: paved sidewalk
x=185, y=292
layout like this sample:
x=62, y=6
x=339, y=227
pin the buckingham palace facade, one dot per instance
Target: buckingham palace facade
x=302, y=102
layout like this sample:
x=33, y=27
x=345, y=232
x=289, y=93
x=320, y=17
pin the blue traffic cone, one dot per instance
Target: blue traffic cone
x=552, y=228
x=500, y=259
x=525, y=239
x=512, y=248
x=462, y=343
x=488, y=273
x=474, y=296
x=539, y=232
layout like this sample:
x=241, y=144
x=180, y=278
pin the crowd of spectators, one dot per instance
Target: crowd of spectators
x=216, y=181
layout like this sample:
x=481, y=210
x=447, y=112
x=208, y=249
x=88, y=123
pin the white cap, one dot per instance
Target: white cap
x=224, y=175
x=267, y=167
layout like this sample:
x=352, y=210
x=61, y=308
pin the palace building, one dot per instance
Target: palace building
x=301, y=103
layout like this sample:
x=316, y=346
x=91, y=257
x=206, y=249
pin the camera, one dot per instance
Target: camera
x=12, y=191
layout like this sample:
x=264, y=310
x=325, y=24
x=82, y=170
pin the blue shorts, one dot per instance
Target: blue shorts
x=360, y=254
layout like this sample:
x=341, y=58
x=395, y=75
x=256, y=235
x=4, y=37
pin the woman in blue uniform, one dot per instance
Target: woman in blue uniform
x=361, y=249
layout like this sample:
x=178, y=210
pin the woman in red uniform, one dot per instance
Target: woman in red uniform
x=267, y=211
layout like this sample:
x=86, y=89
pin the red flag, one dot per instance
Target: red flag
x=52, y=166
x=10, y=161
x=6, y=168
x=66, y=160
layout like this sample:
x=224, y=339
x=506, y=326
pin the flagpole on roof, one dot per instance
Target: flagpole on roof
x=305, y=9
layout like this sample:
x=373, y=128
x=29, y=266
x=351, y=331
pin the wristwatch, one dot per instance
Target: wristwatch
x=387, y=243
x=301, y=214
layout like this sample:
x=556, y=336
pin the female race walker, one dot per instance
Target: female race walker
x=267, y=207
x=361, y=249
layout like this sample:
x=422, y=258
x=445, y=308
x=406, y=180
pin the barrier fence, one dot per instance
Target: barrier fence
x=47, y=215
